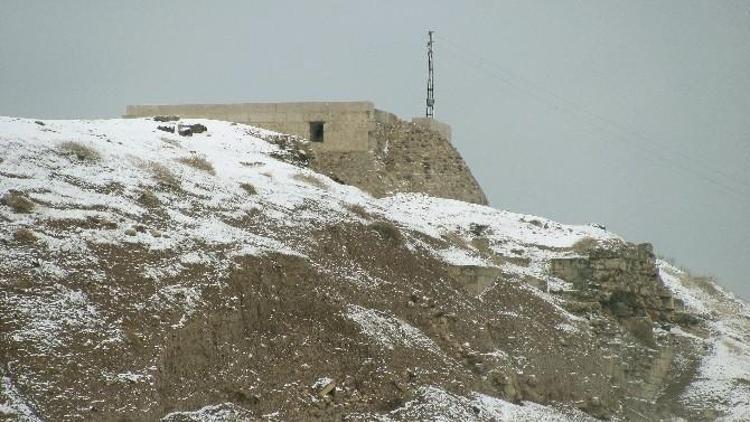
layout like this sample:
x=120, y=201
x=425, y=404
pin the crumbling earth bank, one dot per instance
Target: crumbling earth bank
x=153, y=276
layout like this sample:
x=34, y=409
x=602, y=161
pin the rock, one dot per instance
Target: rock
x=642, y=329
x=170, y=118
x=327, y=388
x=189, y=130
x=169, y=129
x=184, y=130
x=622, y=277
x=531, y=381
x=478, y=229
x=198, y=128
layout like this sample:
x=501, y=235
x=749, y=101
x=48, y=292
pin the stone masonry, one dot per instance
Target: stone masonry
x=624, y=279
x=404, y=157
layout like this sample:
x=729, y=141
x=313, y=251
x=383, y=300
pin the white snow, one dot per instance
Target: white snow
x=13, y=405
x=72, y=193
x=694, y=299
x=389, y=331
x=322, y=382
x=723, y=379
x=438, y=405
x=212, y=413
x=49, y=319
x=461, y=257
x=505, y=230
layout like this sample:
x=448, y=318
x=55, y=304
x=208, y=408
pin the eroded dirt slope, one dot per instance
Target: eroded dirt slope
x=151, y=276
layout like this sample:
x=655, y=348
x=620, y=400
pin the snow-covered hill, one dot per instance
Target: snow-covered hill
x=147, y=275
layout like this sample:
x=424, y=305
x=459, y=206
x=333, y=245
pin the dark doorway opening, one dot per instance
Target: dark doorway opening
x=317, y=131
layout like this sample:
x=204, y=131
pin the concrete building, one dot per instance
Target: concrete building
x=330, y=126
x=354, y=143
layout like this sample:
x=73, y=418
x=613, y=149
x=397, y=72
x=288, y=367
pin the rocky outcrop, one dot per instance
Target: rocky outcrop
x=403, y=157
x=623, y=279
x=157, y=290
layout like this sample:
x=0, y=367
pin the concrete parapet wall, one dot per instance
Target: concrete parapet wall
x=347, y=124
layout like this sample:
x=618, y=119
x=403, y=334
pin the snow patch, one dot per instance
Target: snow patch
x=212, y=413
x=389, y=331
x=13, y=405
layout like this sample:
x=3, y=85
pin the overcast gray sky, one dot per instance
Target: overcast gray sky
x=632, y=114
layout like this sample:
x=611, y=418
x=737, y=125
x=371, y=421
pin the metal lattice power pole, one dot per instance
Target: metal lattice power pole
x=430, y=110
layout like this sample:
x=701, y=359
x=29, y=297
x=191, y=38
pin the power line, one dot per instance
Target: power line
x=582, y=110
x=651, y=147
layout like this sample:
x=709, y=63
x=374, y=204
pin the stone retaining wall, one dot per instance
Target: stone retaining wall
x=624, y=279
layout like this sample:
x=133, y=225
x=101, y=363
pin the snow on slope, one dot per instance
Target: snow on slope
x=132, y=155
x=723, y=379
x=131, y=149
x=14, y=405
x=435, y=404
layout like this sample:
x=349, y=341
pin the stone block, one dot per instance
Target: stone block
x=475, y=279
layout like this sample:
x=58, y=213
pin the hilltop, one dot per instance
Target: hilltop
x=146, y=275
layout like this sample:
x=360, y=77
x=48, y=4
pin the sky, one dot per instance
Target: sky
x=630, y=114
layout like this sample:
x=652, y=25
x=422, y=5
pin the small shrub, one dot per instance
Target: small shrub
x=387, y=231
x=536, y=222
x=478, y=229
x=24, y=235
x=249, y=188
x=585, y=245
x=199, y=163
x=149, y=199
x=82, y=152
x=164, y=175
x=358, y=210
x=310, y=180
x=18, y=202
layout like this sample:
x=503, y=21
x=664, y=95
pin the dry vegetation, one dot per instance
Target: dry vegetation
x=249, y=188
x=18, y=202
x=199, y=163
x=149, y=199
x=81, y=151
x=585, y=245
x=358, y=210
x=24, y=235
x=164, y=175
x=310, y=180
x=387, y=231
